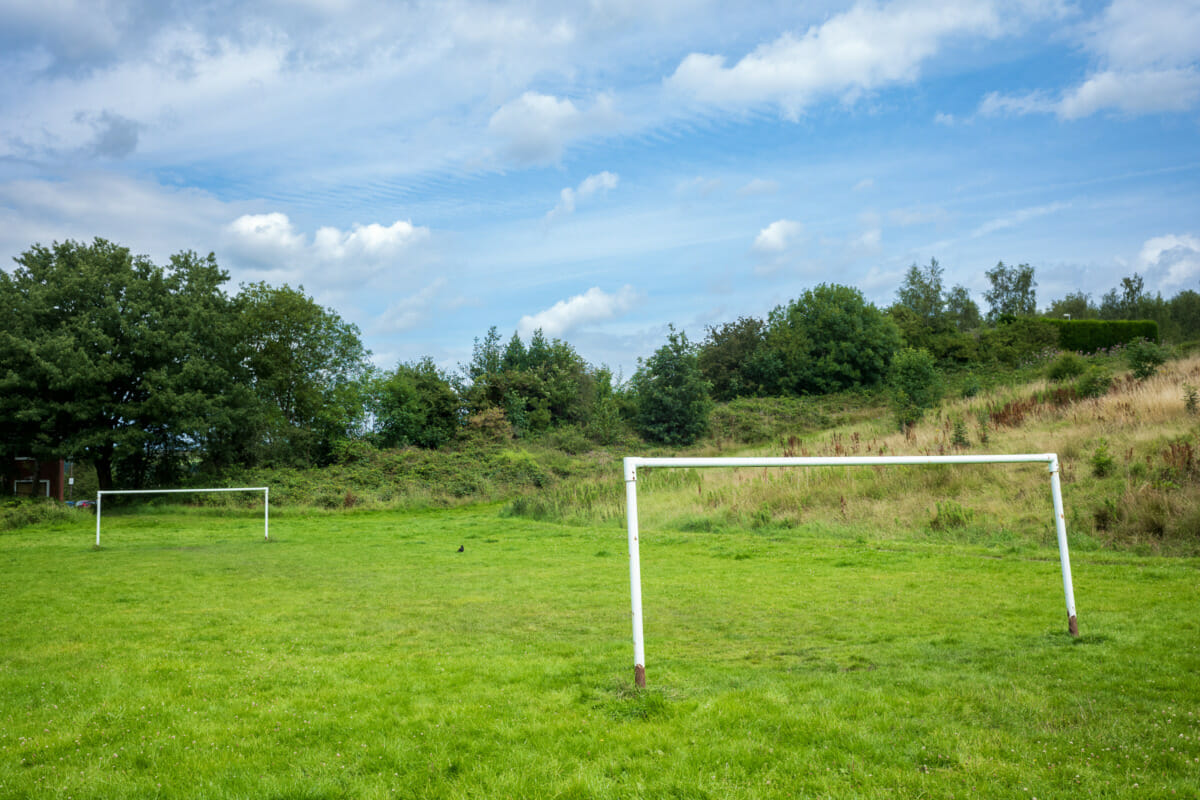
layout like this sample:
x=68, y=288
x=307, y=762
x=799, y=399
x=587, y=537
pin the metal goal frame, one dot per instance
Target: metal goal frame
x=632, y=463
x=266, y=490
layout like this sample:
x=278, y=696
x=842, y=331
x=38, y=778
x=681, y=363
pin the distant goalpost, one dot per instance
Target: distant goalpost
x=264, y=489
x=632, y=463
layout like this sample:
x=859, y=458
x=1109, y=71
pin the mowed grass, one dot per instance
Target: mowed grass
x=362, y=655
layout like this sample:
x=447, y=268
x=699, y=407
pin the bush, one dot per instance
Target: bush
x=1090, y=335
x=19, y=512
x=1095, y=382
x=915, y=384
x=951, y=515
x=1145, y=357
x=489, y=425
x=1017, y=341
x=1065, y=367
x=960, y=438
x=1102, y=462
x=673, y=403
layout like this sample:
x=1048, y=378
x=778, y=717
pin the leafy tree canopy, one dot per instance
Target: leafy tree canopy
x=831, y=339
x=673, y=400
x=1013, y=292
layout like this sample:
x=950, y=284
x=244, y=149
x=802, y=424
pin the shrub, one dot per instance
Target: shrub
x=1065, y=367
x=673, y=403
x=490, y=425
x=1017, y=341
x=1102, y=461
x=1191, y=401
x=1145, y=357
x=18, y=512
x=1095, y=382
x=915, y=384
x=951, y=515
x=960, y=438
x=1090, y=335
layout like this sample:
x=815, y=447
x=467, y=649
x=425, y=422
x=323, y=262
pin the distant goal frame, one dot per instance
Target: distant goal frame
x=266, y=490
x=631, y=464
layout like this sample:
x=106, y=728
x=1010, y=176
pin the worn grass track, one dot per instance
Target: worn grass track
x=361, y=655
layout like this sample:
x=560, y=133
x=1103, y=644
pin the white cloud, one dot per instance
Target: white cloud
x=1147, y=60
x=536, y=128
x=864, y=184
x=372, y=242
x=271, y=242
x=592, y=184
x=1176, y=258
x=778, y=236
x=1139, y=34
x=864, y=48
x=266, y=237
x=593, y=305
x=1142, y=92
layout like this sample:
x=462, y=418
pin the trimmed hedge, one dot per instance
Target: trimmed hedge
x=1090, y=335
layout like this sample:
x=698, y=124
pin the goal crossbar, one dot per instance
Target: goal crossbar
x=266, y=490
x=632, y=463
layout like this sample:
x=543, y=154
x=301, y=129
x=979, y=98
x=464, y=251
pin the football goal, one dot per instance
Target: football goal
x=264, y=489
x=632, y=463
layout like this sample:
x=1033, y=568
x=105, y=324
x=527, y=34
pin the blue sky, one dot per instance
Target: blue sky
x=603, y=169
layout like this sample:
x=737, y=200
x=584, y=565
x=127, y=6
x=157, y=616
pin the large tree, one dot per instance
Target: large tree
x=415, y=405
x=673, y=401
x=111, y=359
x=309, y=371
x=831, y=339
x=731, y=359
x=921, y=292
x=1012, y=293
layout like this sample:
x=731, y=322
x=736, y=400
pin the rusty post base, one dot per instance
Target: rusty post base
x=1073, y=626
x=639, y=676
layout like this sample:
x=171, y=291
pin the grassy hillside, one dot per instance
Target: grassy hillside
x=1130, y=471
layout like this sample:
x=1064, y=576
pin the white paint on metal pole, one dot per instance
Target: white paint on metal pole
x=635, y=576
x=631, y=463
x=266, y=490
x=1060, y=527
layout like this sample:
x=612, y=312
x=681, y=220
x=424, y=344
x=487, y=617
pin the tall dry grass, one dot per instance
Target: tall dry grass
x=1148, y=500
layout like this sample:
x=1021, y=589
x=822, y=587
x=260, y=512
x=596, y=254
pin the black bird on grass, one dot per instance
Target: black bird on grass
x=461, y=548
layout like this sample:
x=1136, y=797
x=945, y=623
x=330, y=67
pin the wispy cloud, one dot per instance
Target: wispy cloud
x=1146, y=59
x=1017, y=218
x=593, y=184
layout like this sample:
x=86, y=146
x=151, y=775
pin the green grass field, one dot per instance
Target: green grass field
x=361, y=655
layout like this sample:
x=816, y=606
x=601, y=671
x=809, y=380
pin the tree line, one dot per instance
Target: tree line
x=154, y=373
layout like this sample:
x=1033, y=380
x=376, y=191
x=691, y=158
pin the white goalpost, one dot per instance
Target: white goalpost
x=266, y=490
x=632, y=463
